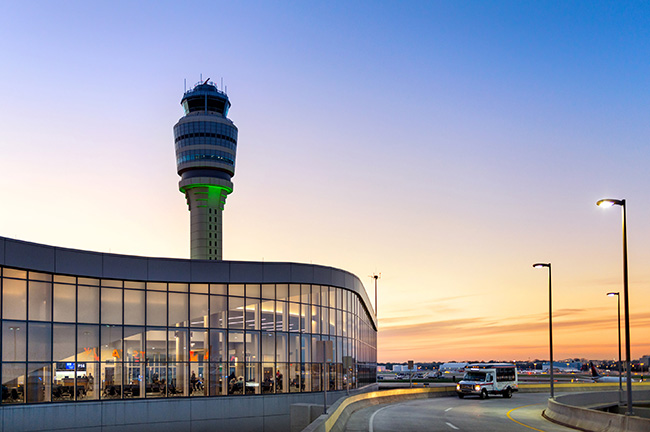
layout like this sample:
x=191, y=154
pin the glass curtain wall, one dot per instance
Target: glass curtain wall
x=68, y=338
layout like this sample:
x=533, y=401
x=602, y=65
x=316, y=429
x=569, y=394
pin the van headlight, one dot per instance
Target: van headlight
x=457, y=386
x=477, y=387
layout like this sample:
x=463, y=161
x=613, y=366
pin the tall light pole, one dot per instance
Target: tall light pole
x=550, y=321
x=608, y=202
x=620, y=373
x=376, y=276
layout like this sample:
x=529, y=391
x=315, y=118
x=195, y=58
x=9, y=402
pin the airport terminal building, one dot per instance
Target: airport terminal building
x=158, y=341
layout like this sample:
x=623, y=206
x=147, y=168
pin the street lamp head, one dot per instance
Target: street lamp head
x=608, y=202
x=612, y=294
x=540, y=265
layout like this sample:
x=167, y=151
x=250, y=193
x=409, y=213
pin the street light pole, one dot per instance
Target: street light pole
x=626, y=299
x=550, y=322
x=376, y=276
x=620, y=372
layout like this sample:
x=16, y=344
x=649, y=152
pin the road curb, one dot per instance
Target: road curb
x=340, y=412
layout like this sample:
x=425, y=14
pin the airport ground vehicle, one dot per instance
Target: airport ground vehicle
x=484, y=379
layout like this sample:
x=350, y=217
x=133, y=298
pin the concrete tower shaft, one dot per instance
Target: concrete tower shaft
x=206, y=204
x=206, y=147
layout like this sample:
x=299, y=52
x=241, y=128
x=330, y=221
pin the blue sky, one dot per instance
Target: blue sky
x=448, y=145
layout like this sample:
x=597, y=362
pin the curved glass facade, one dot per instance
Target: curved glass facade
x=68, y=338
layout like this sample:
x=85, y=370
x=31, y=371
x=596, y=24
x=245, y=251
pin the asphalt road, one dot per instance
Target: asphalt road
x=449, y=414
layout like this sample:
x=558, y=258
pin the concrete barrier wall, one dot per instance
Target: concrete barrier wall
x=579, y=411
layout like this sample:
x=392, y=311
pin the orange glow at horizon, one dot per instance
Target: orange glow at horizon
x=519, y=338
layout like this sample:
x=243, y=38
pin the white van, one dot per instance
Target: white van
x=483, y=379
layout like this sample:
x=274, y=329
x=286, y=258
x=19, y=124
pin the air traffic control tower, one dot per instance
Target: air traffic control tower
x=206, y=145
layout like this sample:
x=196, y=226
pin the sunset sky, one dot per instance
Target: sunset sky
x=447, y=145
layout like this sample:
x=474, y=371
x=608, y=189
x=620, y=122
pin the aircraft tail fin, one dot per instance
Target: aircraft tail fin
x=594, y=371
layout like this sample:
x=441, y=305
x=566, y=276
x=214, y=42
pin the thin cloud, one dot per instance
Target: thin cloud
x=482, y=325
x=611, y=281
x=413, y=313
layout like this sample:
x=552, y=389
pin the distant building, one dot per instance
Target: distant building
x=403, y=368
x=564, y=365
x=452, y=367
x=645, y=360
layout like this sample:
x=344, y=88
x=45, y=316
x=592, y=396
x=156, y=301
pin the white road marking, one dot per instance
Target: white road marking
x=372, y=417
x=448, y=409
x=451, y=425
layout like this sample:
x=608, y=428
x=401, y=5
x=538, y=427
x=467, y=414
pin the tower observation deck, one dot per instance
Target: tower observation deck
x=206, y=146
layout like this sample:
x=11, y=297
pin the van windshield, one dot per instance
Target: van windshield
x=475, y=376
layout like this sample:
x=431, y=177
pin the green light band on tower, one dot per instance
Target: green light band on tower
x=184, y=189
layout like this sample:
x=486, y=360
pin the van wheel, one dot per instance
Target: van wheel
x=507, y=393
x=484, y=394
x=460, y=395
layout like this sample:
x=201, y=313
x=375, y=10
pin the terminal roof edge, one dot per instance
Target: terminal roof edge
x=53, y=259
